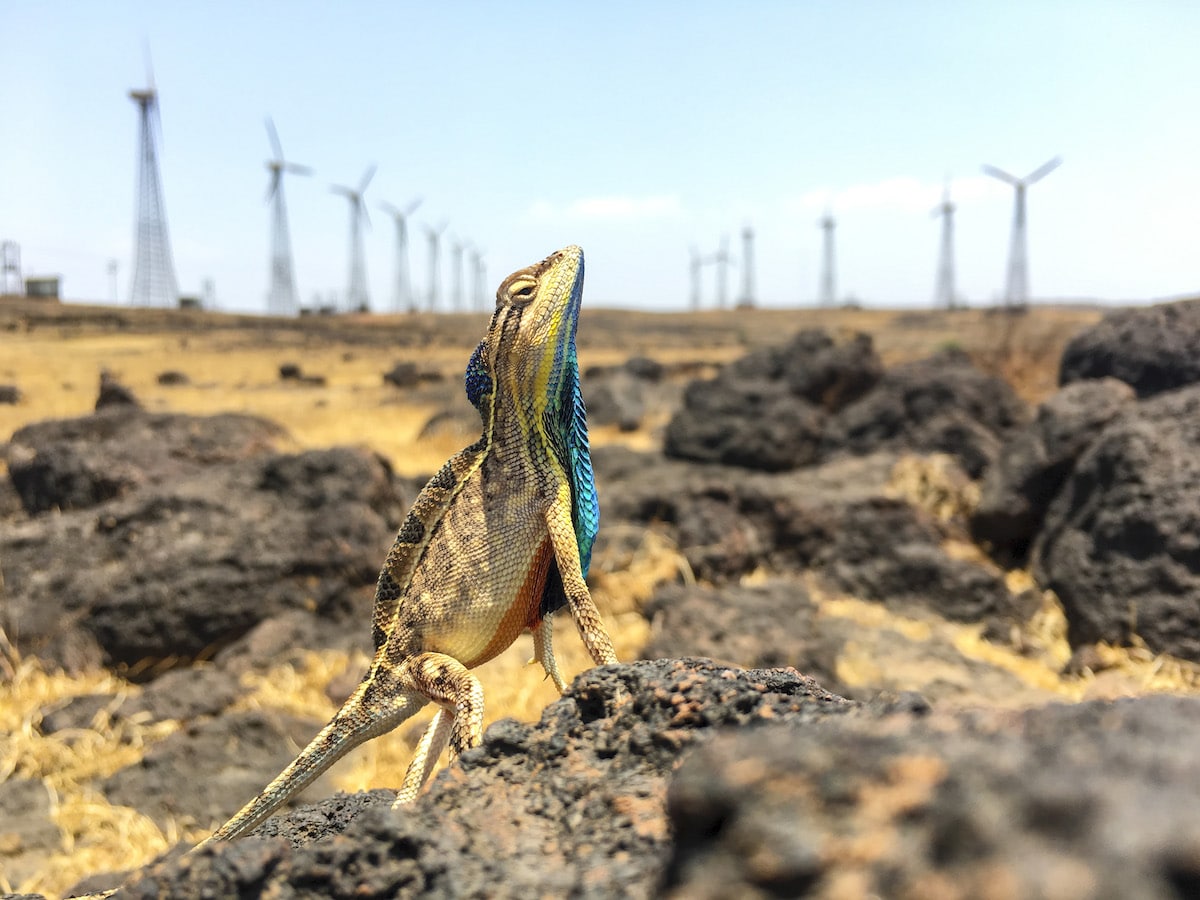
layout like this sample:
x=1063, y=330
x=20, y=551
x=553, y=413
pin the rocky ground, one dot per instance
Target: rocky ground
x=882, y=660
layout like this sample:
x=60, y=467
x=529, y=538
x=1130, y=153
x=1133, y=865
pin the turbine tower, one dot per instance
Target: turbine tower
x=1016, y=288
x=721, y=259
x=404, y=297
x=747, y=298
x=457, y=248
x=479, y=272
x=356, y=293
x=944, y=294
x=434, y=235
x=154, y=281
x=281, y=300
x=694, y=271
x=828, y=295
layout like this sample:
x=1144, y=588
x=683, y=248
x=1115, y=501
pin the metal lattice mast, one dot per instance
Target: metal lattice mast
x=456, y=274
x=944, y=294
x=281, y=298
x=721, y=259
x=403, y=298
x=1016, y=286
x=479, y=289
x=828, y=292
x=357, y=298
x=694, y=264
x=435, y=287
x=10, y=268
x=154, y=281
x=747, y=298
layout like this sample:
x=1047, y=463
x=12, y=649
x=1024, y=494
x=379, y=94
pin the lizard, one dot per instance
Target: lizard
x=497, y=541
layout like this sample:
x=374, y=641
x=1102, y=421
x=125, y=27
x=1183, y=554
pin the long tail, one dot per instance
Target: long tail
x=363, y=716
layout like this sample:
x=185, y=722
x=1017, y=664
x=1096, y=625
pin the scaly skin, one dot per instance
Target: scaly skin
x=497, y=540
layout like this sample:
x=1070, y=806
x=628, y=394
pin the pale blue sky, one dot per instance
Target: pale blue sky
x=633, y=129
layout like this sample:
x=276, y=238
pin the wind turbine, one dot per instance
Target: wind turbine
x=281, y=300
x=434, y=235
x=694, y=270
x=1016, y=289
x=457, y=248
x=356, y=293
x=747, y=298
x=479, y=272
x=154, y=282
x=721, y=258
x=944, y=293
x=828, y=295
x=404, y=299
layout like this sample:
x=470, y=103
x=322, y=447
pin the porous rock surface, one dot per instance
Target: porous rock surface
x=682, y=778
x=1153, y=349
x=570, y=806
x=1121, y=542
x=1035, y=463
x=838, y=520
x=815, y=398
x=153, y=537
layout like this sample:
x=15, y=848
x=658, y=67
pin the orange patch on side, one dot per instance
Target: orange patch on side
x=522, y=613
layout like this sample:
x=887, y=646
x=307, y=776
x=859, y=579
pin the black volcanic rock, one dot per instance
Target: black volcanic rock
x=1120, y=543
x=1154, y=349
x=1032, y=466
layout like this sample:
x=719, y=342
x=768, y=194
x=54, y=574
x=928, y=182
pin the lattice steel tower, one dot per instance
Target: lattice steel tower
x=435, y=286
x=281, y=299
x=154, y=281
x=403, y=298
x=944, y=294
x=828, y=294
x=357, y=299
x=1016, y=287
x=747, y=298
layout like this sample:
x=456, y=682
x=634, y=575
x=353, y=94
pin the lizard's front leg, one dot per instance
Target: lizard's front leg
x=583, y=608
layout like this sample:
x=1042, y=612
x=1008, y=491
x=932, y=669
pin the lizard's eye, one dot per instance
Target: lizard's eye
x=523, y=291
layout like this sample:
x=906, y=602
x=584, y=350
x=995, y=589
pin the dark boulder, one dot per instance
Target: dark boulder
x=760, y=626
x=768, y=410
x=113, y=393
x=204, y=773
x=10, y=394
x=938, y=405
x=574, y=804
x=1121, y=542
x=1087, y=801
x=1033, y=465
x=1154, y=349
x=210, y=534
x=752, y=423
x=172, y=378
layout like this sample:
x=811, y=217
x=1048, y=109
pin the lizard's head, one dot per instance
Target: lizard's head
x=529, y=349
x=529, y=355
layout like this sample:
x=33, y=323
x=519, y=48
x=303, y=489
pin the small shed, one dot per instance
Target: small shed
x=44, y=287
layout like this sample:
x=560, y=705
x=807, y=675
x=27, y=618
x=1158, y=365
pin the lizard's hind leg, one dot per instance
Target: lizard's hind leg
x=449, y=684
x=425, y=757
x=368, y=712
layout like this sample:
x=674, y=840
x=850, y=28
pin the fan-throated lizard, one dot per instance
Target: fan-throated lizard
x=497, y=540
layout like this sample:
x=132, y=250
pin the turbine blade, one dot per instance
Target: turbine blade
x=408, y=211
x=1001, y=174
x=297, y=169
x=388, y=208
x=273, y=137
x=274, y=186
x=362, y=208
x=342, y=189
x=1043, y=170
x=366, y=179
